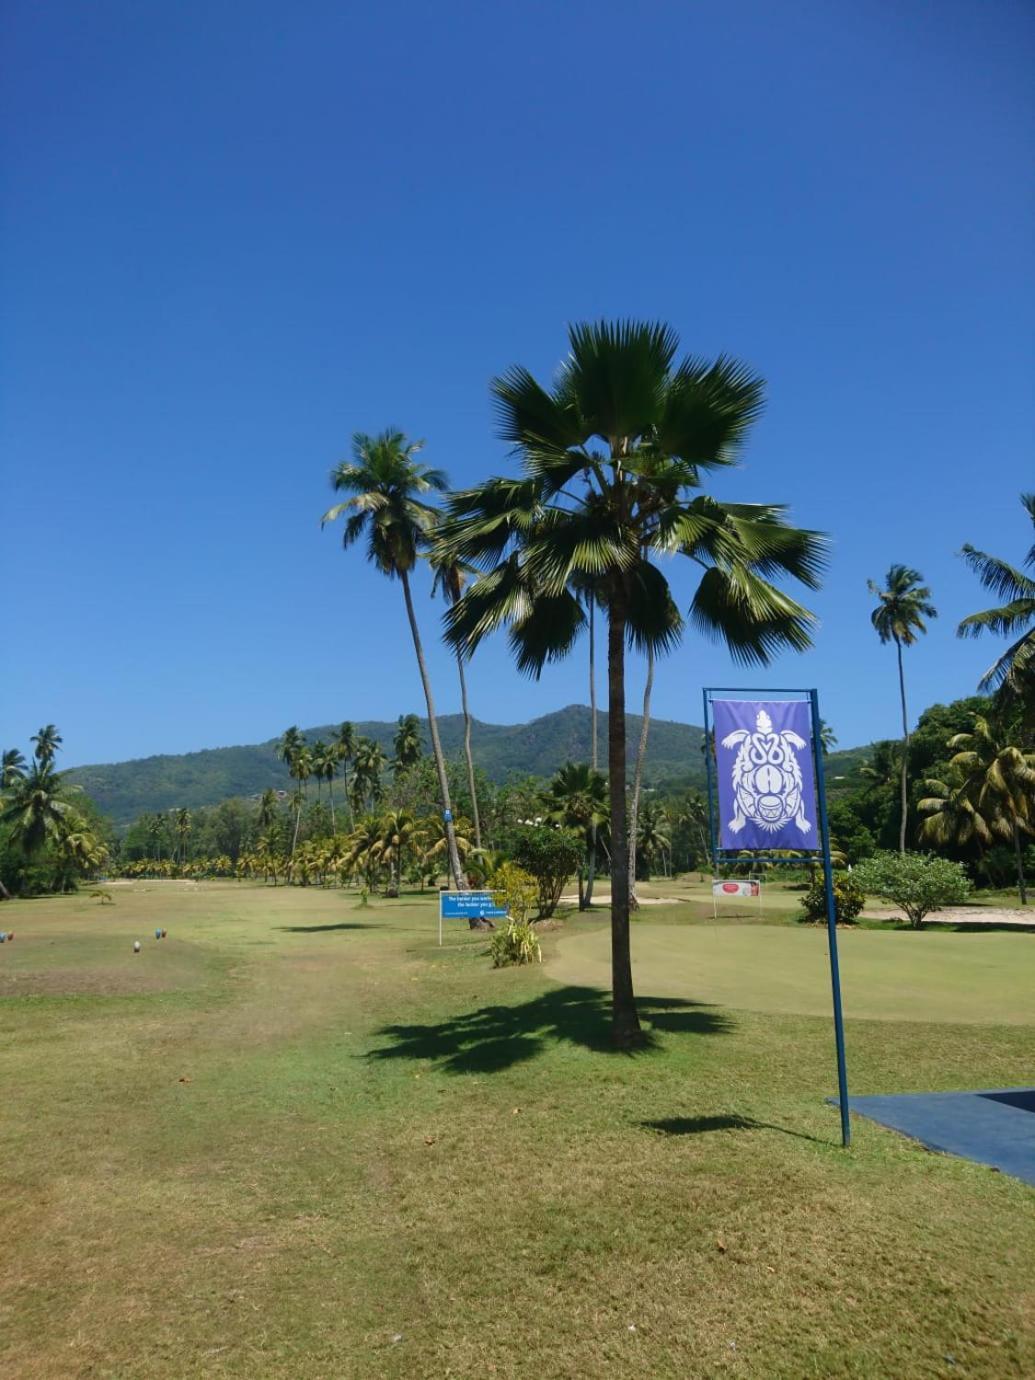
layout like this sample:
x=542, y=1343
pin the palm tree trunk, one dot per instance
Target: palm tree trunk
x=436, y=746
x=591, y=862
x=1022, y=889
x=345, y=788
x=467, y=753
x=905, y=750
x=638, y=778
x=330, y=792
x=625, y=1024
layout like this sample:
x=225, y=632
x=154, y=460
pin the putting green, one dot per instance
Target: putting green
x=892, y=976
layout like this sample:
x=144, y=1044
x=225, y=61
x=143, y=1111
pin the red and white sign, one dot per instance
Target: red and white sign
x=737, y=888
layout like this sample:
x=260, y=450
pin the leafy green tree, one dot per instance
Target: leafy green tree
x=1013, y=673
x=385, y=484
x=551, y=856
x=613, y=455
x=902, y=606
x=917, y=883
x=577, y=798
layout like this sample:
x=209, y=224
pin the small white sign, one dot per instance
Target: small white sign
x=748, y=888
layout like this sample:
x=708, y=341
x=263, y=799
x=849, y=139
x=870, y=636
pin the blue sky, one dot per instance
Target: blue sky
x=234, y=234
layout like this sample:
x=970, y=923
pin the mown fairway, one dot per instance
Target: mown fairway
x=297, y=1139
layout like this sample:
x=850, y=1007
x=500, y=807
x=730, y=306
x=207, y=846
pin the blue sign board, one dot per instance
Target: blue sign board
x=468, y=905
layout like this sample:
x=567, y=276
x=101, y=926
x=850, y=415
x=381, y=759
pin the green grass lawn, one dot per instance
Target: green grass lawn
x=297, y=1139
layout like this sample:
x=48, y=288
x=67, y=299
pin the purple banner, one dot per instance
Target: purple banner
x=767, y=793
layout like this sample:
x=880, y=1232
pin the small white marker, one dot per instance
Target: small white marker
x=136, y=946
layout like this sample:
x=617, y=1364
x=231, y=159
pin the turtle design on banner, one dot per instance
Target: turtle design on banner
x=767, y=785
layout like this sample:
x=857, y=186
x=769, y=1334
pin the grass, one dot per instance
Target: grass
x=297, y=1139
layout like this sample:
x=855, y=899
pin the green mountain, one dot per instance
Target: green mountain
x=124, y=790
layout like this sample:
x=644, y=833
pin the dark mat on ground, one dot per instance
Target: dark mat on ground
x=995, y=1127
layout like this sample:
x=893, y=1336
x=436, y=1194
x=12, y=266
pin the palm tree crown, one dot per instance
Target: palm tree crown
x=902, y=606
x=1015, y=668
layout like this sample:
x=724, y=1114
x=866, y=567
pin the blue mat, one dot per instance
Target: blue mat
x=995, y=1127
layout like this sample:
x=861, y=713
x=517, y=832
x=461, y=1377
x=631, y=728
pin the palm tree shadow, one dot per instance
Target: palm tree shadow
x=325, y=929
x=493, y=1038
x=700, y=1125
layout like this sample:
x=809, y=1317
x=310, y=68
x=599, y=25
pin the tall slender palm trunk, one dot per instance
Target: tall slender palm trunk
x=436, y=745
x=625, y=1024
x=641, y=753
x=905, y=749
x=1022, y=889
x=330, y=792
x=467, y=753
x=586, y=896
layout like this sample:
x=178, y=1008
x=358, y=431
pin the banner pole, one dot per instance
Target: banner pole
x=828, y=879
x=712, y=820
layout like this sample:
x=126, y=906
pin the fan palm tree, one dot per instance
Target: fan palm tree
x=47, y=741
x=406, y=744
x=12, y=768
x=385, y=483
x=577, y=799
x=992, y=794
x=1013, y=673
x=613, y=455
x=902, y=606
x=451, y=576
x=345, y=747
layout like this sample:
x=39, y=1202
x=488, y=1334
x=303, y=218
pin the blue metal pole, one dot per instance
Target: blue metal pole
x=712, y=820
x=828, y=878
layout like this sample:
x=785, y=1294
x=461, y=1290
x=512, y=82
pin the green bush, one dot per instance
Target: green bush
x=849, y=899
x=515, y=942
x=551, y=856
x=513, y=890
x=916, y=882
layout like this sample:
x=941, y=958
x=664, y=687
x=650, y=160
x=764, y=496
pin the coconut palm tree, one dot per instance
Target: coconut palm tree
x=385, y=483
x=1013, y=673
x=12, y=768
x=47, y=741
x=827, y=738
x=288, y=749
x=655, y=832
x=451, y=576
x=400, y=836
x=576, y=798
x=902, y=606
x=345, y=747
x=267, y=812
x=992, y=794
x=184, y=825
x=34, y=809
x=367, y=765
x=406, y=744
x=613, y=455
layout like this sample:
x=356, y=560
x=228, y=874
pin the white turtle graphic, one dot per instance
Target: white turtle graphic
x=767, y=784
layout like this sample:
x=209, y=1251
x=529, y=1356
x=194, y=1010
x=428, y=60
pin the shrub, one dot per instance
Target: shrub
x=515, y=943
x=916, y=882
x=551, y=856
x=849, y=899
x=513, y=890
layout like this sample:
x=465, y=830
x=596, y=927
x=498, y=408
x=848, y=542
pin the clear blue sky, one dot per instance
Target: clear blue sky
x=233, y=234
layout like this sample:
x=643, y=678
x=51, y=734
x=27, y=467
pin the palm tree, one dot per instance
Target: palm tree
x=1013, y=673
x=406, y=744
x=12, y=768
x=655, y=835
x=385, y=482
x=899, y=616
x=368, y=764
x=288, y=749
x=577, y=799
x=693, y=817
x=345, y=747
x=183, y=829
x=267, y=813
x=641, y=753
x=302, y=769
x=47, y=741
x=400, y=834
x=451, y=576
x=991, y=796
x=34, y=810
x=827, y=737
x=613, y=453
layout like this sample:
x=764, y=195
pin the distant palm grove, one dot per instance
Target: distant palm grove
x=569, y=550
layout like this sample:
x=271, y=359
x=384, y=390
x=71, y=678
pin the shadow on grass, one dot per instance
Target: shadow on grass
x=323, y=929
x=493, y=1038
x=701, y=1125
